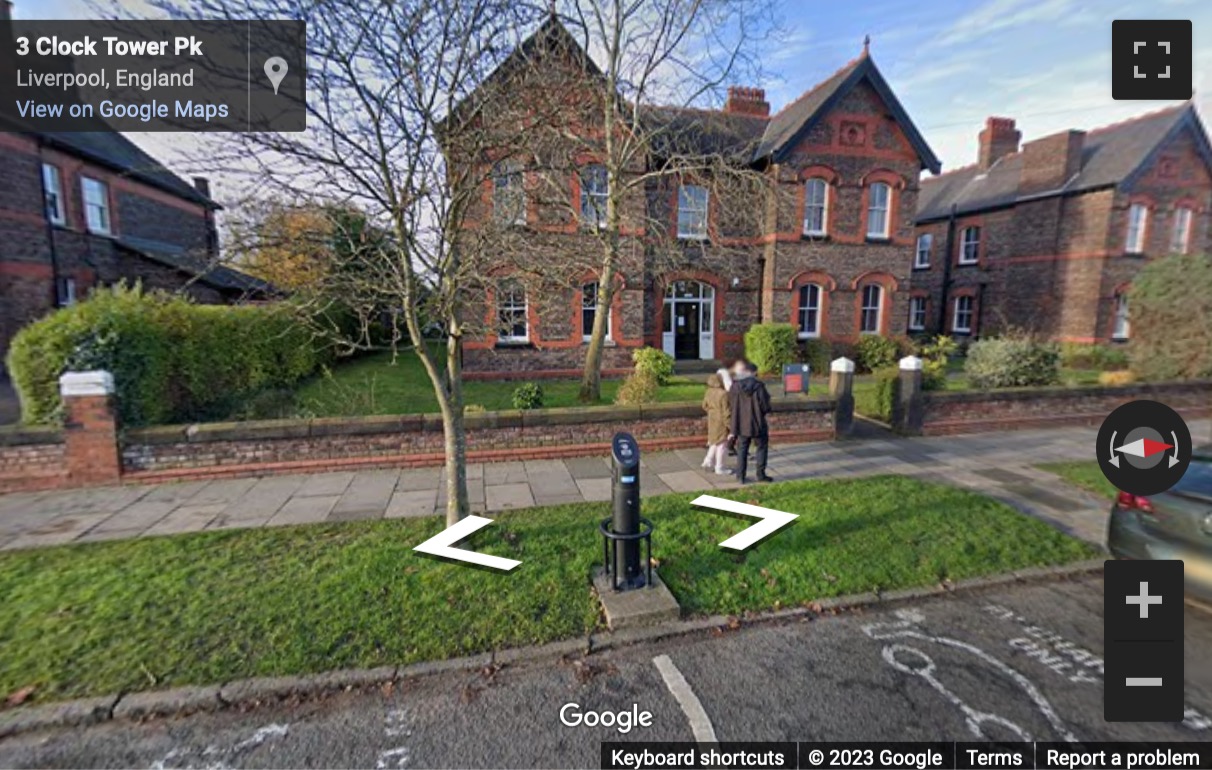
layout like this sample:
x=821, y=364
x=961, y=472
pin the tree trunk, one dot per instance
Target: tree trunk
x=457, y=504
x=591, y=379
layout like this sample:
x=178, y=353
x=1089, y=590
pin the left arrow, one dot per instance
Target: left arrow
x=442, y=544
x=771, y=520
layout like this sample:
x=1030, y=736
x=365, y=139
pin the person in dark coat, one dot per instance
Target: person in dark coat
x=750, y=402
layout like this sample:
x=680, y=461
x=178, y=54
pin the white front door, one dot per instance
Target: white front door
x=688, y=321
x=707, y=324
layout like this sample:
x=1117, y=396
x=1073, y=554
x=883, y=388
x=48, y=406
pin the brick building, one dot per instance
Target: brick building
x=81, y=210
x=1048, y=236
x=819, y=234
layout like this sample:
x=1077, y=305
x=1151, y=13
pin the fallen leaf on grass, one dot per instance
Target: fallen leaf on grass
x=20, y=696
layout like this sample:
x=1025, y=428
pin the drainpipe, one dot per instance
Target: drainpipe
x=980, y=309
x=947, y=257
x=50, y=226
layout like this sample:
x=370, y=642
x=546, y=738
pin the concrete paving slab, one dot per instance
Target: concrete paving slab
x=501, y=497
x=191, y=517
x=141, y=515
x=588, y=467
x=512, y=472
x=42, y=541
x=325, y=484
x=594, y=489
x=366, y=497
x=685, y=481
x=222, y=491
x=410, y=503
x=664, y=463
x=421, y=478
x=304, y=510
x=177, y=492
x=77, y=523
x=96, y=536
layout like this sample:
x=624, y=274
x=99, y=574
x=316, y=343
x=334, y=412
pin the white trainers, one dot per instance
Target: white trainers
x=724, y=472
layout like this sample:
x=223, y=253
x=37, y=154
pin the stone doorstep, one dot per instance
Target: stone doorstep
x=646, y=606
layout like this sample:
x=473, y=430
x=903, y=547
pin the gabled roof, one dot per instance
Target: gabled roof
x=687, y=131
x=798, y=118
x=221, y=277
x=1111, y=156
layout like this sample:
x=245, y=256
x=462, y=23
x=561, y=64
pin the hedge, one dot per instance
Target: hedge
x=771, y=346
x=1013, y=361
x=172, y=360
x=1171, y=319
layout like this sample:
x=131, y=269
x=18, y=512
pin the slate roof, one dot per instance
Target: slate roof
x=221, y=277
x=1111, y=155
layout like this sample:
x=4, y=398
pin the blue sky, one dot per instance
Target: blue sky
x=953, y=63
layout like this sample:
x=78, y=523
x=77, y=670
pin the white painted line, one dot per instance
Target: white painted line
x=1144, y=681
x=700, y=724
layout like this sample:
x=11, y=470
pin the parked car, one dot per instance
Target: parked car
x=1176, y=524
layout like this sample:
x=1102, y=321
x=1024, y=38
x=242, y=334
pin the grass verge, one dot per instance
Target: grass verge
x=209, y=607
x=1084, y=474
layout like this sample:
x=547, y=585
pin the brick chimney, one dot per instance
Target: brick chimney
x=201, y=183
x=1051, y=161
x=6, y=10
x=743, y=100
x=999, y=139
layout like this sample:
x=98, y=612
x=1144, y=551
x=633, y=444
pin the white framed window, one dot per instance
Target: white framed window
x=52, y=185
x=872, y=309
x=692, y=212
x=511, y=313
x=1121, y=329
x=808, y=312
x=921, y=257
x=970, y=246
x=67, y=292
x=595, y=189
x=879, y=197
x=508, y=194
x=816, y=207
x=589, y=310
x=917, y=314
x=96, y=205
x=961, y=319
x=1138, y=222
x=1180, y=235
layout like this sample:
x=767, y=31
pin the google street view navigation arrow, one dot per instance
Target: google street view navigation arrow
x=442, y=544
x=771, y=520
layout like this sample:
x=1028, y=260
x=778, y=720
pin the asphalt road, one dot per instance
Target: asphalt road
x=1016, y=663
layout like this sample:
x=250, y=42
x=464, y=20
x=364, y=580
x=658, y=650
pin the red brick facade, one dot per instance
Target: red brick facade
x=756, y=253
x=1053, y=253
x=44, y=262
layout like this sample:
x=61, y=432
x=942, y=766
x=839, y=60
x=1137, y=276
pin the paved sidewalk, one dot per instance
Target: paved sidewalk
x=996, y=464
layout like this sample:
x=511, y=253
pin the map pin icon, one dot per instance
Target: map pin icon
x=275, y=70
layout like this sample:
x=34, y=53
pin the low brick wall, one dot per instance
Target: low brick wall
x=294, y=446
x=976, y=411
x=30, y=458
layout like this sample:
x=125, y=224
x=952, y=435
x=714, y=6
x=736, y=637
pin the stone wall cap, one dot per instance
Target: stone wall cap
x=95, y=383
x=911, y=364
x=843, y=365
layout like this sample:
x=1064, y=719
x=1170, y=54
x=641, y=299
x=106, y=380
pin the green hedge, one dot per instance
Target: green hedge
x=654, y=362
x=172, y=360
x=770, y=346
x=1171, y=316
x=878, y=399
x=1011, y=362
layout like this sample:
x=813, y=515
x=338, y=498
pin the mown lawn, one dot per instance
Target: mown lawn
x=1084, y=474
x=376, y=385
x=208, y=607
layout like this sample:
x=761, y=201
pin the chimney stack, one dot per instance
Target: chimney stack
x=743, y=100
x=999, y=139
x=201, y=183
x=6, y=10
x=1050, y=162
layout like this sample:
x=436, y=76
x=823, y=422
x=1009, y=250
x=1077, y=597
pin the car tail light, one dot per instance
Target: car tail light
x=1134, y=502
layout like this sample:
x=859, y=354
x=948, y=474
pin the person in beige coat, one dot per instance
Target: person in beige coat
x=719, y=417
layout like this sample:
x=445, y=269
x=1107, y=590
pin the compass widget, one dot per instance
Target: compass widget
x=1144, y=447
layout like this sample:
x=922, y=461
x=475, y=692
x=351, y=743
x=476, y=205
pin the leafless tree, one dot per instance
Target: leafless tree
x=383, y=80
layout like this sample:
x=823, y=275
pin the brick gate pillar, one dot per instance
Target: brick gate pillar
x=841, y=390
x=90, y=429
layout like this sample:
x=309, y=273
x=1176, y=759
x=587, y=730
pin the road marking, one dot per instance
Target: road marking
x=395, y=725
x=700, y=724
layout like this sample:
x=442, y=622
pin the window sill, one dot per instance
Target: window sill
x=878, y=239
x=514, y=344
x=818, y=237
x=803, y=337
x=693, y=239
x=962, y=332
x=968, y=264
x=921, y=267
x=917, y=328
x=608, y=343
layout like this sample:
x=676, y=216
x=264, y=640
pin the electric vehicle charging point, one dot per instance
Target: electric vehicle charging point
x=632, y=593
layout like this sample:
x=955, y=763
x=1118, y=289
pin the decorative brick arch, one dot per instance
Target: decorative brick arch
x=832, y=182
x=662, y=283
x=828, y=286
x=893, y=179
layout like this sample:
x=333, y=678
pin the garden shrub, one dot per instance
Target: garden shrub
x=658, y=363
x=1117, y=379
x=770, y=346
x=818, y=355
x=474, y=409
x=935, y=353
x=876, y=352
x=1171, y=315
x=640, y=387
x=528, y=395
x=879, y=401
x=1104, y=358
x=1015, y=360
x=172, y=360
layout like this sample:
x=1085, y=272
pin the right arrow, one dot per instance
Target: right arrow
x=442, y=544
x=771, y=520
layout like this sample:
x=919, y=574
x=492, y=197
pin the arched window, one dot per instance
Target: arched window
x=1121, y=329
x=589, y=310
x=816, y=207
x=871, y=311
x=879, y=206
x=511, y=313
x=961, y=319
x=1180, y=236
x=595, y=189
x=808, y=311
